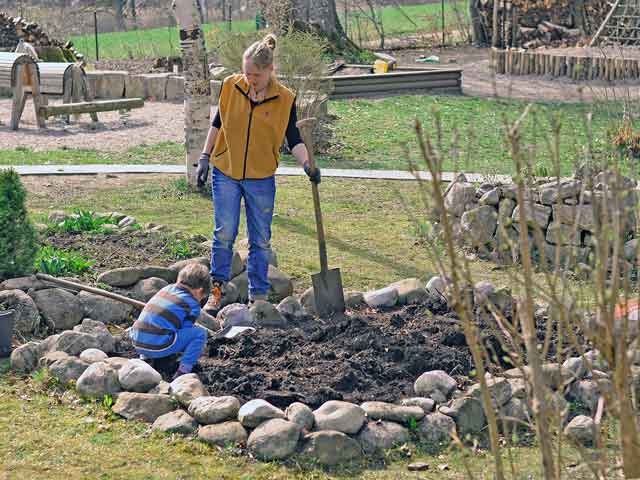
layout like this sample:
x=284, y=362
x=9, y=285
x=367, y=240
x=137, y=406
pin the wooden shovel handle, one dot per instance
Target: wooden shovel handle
x=306, y=130
x=95, y=291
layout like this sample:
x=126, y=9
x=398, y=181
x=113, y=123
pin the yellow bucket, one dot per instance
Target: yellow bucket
x=380, y=66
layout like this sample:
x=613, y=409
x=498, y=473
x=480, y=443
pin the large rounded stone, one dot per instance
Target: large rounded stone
x=410, y=291
x=460, y=194
x=265, y=315
x=97, y=380
x=147, y=288
x=308, y=301
x=339, y=416
x=291, y=308
x=391, y=412
x=223, y=434
x=235, y=315
x=382, y=436
x=426, y=404
x=138, y=376
x=581, y=429
x=50, y=358
x=210, y=410
x=187, y=388
x=142, y=406
x=176, y=267
x=26, y=318
x=104, y=309
x=117, y=362
x=23, y=283
x=301, y=414
x=58, y=307
x=177, y=421
x=254, y=412
x=74, y=343
x=25, y=358
x=435, y=430
x=436, y=385
x=121, y=277
x=99, y=331
x=281, y=284
x=274, y=439
x=93, y=355
x=468, y=415
x=479, y=225
x=329, y=447
x=499, y=389
x=68, y=369
x=384, y=298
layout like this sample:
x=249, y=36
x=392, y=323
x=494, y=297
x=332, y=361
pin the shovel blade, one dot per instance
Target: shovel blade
x=328, y=292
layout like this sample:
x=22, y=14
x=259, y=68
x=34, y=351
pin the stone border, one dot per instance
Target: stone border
x=337, y=432
x=523, y=62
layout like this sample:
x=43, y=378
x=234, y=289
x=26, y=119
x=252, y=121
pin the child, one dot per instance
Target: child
x=166, y=325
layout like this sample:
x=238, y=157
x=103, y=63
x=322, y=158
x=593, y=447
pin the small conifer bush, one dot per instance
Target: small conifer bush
x=18, y=241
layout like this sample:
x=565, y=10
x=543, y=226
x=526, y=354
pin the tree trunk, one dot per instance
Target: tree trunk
x=118, y=7
x=197, y=87
x=318, y=16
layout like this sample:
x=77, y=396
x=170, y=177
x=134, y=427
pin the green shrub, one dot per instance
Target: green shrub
x=53, y=261
x=18, y=240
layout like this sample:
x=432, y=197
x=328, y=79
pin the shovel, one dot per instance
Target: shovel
x=327, y=285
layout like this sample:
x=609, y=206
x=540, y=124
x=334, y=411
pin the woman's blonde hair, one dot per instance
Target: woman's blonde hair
x=261, y=52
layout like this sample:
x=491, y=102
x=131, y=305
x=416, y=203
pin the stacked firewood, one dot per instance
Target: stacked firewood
x=535, y=23
x=12, y=30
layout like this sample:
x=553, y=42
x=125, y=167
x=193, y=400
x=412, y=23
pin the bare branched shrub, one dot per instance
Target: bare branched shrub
x=574, y=318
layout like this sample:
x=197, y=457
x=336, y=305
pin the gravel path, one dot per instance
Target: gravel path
x=159, y=122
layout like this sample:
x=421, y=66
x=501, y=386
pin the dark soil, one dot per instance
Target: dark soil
x=361, y=356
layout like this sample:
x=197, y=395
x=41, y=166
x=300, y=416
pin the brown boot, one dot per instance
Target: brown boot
x=215, y=298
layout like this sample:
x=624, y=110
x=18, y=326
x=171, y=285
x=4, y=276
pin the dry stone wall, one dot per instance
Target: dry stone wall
x=561, y=218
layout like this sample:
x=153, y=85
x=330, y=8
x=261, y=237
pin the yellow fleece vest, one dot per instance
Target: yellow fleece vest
x=248, y=144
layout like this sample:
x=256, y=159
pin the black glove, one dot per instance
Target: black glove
x=203, y=169
x=314, y=176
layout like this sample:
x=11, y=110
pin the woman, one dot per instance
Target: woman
x=255, y=114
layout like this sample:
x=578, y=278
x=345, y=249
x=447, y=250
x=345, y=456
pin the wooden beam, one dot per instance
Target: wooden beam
x=90, y=107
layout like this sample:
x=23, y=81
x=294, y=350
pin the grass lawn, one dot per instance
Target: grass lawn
x=425, y=18
x=148, y=43
x=379, y=134
x=155, y=42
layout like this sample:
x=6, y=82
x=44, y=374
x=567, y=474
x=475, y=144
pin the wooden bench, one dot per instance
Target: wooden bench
x=25, y=76
x=67, y=80
x=19, y=72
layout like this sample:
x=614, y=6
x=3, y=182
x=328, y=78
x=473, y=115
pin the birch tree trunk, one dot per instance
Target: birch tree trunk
x=197, y=87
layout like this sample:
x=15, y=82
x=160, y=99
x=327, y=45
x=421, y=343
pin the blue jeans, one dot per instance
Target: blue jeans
x=259, y=198
x=191, y=341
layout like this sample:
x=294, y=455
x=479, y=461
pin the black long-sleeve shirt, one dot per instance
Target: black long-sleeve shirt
x=292, y=133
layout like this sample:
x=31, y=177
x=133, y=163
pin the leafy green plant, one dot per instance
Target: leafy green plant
x=412, y=424
x=84, y=221
x=180, y=249
x=53, y=261
x=17, y=235
x=107, y=401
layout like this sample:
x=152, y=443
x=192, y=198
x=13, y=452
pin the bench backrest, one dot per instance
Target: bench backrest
x=9, y=62
x=54, y=77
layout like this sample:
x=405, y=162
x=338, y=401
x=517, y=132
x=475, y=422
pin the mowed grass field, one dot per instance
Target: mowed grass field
x=156, y=42
x=380, y=134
